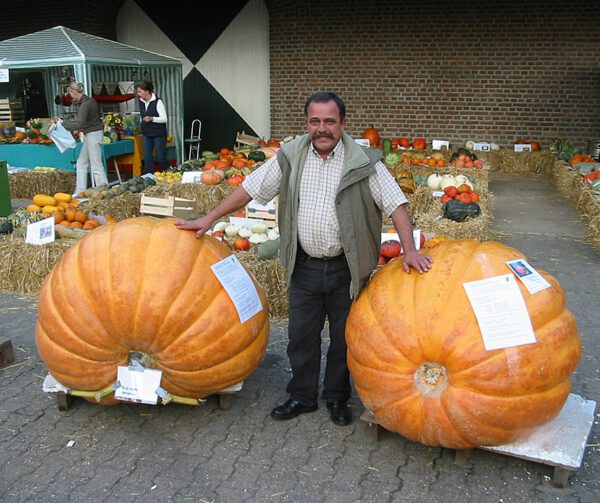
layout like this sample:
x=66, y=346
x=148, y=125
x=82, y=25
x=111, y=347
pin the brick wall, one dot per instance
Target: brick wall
x=93, y=17
x=481, y=70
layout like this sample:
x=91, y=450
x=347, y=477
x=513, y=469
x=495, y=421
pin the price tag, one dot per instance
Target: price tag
x=4, y=75
x=191, y=177
x=439, y=144
x=40, y=233
x=482, y=146
x=138, y=384
x=523, y=147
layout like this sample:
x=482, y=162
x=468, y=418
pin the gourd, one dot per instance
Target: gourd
x=447, y=181
x=231, y=230
x=268, y=249
x=433, y=181
x=119, y=291
x=257, y=156
x=459, y=212
x=422, y=369
x=44, y=200
x=386, y=147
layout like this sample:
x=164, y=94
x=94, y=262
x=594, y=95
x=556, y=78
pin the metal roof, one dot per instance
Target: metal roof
x=59, y=46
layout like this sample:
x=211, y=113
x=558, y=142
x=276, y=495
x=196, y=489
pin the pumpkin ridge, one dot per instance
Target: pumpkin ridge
x=181, y=289
x=392, y=341
x=85, y=290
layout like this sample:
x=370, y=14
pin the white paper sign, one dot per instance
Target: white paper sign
x=483, y=146
x=149, y=175
x=438, y=193
x=4, y=75
x=363, y=141
x=239, y=286
x=40, y=233
x=138, y=385
x=500, y=311
x=386, y=236
x=523, y=147
x=438, y=144
x=51, y=385
x=533, y=280
x=191, y=177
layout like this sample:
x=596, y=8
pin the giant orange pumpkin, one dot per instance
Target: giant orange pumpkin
x=416, y=353
x=142, y=285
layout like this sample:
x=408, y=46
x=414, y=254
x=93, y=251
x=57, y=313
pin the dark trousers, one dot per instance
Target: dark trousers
x=318, y=289
x=149, y=143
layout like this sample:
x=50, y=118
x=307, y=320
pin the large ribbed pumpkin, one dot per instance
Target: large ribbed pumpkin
x=417, y=357
x=142, y=285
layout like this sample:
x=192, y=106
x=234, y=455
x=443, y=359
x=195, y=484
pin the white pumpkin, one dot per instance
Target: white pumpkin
x=244, y=233
x=494, y=146
x=258, y=238
x=259, y=228
x=231, y=230
x=273, y=234
x=433, y=181
x=469, y=145
x=447, y=181
x=220, y=226
x=460, y=179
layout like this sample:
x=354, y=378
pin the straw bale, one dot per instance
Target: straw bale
x=126, y=205
x=519, y=163
x=23, y=267
x=26, y=184
x=580, y=194
x=270, y=274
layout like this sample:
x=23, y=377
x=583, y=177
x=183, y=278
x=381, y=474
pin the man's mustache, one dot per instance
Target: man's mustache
x=323, y=135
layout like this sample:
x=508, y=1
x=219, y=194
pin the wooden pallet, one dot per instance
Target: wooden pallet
x=560, y=443
x=268, y=216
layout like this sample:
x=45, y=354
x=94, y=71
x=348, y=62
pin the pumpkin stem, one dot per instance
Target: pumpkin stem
x=431, y=379
x=144, y=359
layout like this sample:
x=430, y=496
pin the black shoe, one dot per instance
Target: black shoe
x=340, y=412
x=291, y=409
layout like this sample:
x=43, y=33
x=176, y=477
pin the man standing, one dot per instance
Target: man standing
x=332, y=193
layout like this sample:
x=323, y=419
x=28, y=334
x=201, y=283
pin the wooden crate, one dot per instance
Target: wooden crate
x=268, y=216
x=11, y=110
x=245, y=139
x=167, y=207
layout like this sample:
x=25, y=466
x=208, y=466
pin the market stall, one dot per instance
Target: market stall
x=63, y=54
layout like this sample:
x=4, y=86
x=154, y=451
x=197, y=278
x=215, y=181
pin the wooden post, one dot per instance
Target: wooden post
x=7, y=355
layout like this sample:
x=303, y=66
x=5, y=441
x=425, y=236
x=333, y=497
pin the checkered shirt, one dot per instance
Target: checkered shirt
x=318, y=225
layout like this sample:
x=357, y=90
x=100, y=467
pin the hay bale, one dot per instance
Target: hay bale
x=126, y=205
x=26, y=184
x=271, y=276
x=23, y=267
x=519, y=163
x=580, y=194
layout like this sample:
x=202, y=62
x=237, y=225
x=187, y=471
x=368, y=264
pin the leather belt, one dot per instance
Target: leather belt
x=302, y=254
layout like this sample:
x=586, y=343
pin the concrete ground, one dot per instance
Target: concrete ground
x=204, y=454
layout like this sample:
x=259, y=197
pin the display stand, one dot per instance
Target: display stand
x=560, y=443
x=64, y=400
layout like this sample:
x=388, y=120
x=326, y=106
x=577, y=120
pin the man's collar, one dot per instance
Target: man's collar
x=336, y=150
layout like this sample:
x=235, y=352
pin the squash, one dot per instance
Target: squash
x=433, y=181
x=61, y=197
x=257, y=156
x=185, y=324
x=418, y=361
x=268, y=250
x=386, y=148
x=458, y=211
x=44, y=200
x=372, y=135
x=33, y=208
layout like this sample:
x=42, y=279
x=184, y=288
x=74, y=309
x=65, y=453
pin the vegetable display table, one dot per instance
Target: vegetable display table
x=29, y=156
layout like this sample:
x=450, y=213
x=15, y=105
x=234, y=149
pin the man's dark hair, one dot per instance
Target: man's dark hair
x=324, y=97
x=146, y=85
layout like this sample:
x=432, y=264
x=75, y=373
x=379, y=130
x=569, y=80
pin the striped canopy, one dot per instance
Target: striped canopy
x=58, y=51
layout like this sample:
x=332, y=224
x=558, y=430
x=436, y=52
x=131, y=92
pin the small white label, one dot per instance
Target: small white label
x=523, y=147
x=244, y=222
x=363, y=141
x=482, y=146
x=270, y=206
x=438, y=193
x=239, y=286
x=138, y=385
x=40, y=233
x=4, y=75
x=533, y=280
x=191, y=177
x=501, y=312
x=438, y=144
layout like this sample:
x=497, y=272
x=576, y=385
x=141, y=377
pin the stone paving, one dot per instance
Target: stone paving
x=205, y=454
